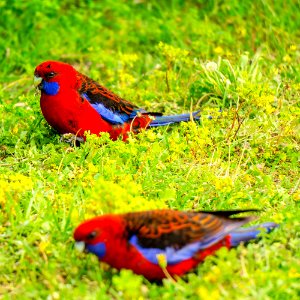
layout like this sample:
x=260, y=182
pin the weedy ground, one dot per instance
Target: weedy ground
x=237, y=61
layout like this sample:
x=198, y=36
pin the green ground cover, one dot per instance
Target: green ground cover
x=239, y=56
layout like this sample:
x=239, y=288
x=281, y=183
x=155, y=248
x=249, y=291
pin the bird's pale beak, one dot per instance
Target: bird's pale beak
x=37, y=82
x=80, y=246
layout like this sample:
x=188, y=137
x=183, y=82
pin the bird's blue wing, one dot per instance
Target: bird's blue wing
x=108, y=115
x=172, y=255
x=110, y=106
x=114, y=117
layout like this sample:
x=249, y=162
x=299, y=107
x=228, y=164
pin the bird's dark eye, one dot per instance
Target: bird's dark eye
x=50, y=74
x=91, y=235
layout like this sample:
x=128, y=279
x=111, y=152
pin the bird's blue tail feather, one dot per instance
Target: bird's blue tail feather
x=166, y=120
x=250, y=233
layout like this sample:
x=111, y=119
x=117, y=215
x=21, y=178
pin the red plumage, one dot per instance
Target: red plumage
x=133, y=240
x=73, y=103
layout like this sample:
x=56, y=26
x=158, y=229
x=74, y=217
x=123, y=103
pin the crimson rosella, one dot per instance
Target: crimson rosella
x=138, y=240
x=74, y=103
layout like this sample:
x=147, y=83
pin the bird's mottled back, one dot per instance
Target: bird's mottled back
x=97, y=93
x=164, y=228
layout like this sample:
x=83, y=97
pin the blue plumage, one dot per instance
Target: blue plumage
x=107, y=114
x=99, y=249
x=117, y=117
x=50, y=88
x=166, y=120
x=174, y=256
x=246, y=234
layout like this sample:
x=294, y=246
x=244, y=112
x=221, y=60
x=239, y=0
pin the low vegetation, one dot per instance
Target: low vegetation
x=236, y=61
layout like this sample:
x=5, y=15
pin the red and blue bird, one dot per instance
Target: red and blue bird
x=137, y=240
x=74, y=103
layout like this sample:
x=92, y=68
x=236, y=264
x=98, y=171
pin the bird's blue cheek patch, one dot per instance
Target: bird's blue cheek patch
x=99, y=249
x=50, y=88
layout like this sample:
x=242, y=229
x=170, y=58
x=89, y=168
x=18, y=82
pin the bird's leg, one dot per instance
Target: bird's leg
x=71, y=139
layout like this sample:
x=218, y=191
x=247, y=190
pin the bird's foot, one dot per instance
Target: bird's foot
x=71, y=139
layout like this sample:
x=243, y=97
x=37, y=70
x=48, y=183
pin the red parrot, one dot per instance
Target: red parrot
x=136, y=240
x=74, y=103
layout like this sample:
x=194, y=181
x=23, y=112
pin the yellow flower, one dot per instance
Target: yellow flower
x=218, y=50
x=293, y=273
x=172, y=53
x=287, y=58
x=43, y=245
x=15, y=129
x=278, y=218
x=205, y=293
x=213, y=275
x=296, y=195
x=162, y=260
x=92, y=168
x=241, y=31
x=269, y=109
x=126, y=79
x=129, y=58
x=200, y=189
x=224, y=184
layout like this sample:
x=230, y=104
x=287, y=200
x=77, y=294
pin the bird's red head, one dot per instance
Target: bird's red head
x=54, y=71
x=51, y=70
x=99, y=232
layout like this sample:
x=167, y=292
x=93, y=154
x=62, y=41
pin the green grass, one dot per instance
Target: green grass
x=169, y=56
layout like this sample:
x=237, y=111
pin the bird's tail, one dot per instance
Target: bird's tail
x=246, y=234
x=166, y=120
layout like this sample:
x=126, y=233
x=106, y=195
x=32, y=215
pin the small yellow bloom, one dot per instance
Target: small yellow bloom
x=224, y=184
x=287, y=58
x=43, y=245
x=278, y=218
x=204, y=293
x=296, y=195
x=162, y=260
x=269, y=109
x=218, y=50
x=201, y=189
x=92, y=168
x=293, y=273
x=241, y=31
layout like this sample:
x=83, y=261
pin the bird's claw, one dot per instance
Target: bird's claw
x=71, y=139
